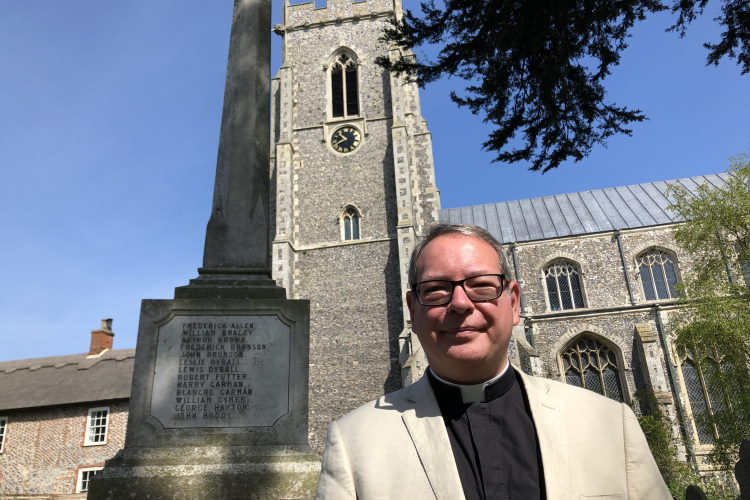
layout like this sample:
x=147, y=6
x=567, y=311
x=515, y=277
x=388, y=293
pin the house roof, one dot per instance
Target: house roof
x=59, y=380
x=573, y=214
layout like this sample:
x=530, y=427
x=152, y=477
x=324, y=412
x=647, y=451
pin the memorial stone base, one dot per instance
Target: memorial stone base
x=218, y=406
x=209, y=472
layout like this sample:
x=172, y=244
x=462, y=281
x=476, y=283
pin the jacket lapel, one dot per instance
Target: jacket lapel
x=547, y=412
x=427, y=430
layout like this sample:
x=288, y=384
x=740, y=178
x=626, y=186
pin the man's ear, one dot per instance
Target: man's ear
x=514, y=292
x=410, y=304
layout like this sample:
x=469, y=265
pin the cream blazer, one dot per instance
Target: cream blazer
x=397, y=448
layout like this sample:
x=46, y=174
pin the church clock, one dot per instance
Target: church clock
x=346, y=139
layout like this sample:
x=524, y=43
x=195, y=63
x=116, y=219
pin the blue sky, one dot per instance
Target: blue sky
x=109, y=126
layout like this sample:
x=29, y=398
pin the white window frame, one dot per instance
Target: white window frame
x=3, y=432
x=79, y=481
x=89, y=437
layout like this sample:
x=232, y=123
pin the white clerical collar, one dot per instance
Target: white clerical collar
x=472, y=393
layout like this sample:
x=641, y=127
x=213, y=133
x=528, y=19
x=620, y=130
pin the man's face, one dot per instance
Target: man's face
x=465, y=341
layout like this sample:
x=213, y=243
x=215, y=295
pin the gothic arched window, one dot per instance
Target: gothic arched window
x=741, y=251
x=589, y=363
x=658, y=274
x=708, y=394
x=563, y=285
x=344, y=86
x=350, y=222
x=745, y=266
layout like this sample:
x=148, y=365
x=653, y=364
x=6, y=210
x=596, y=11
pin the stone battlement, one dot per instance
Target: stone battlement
x=306, y=14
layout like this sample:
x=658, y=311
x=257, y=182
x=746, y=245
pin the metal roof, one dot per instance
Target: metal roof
x=59, y=380
x=572, y=214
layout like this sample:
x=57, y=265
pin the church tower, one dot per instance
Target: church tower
x=353, y=187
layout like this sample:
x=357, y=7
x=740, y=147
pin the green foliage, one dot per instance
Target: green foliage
x=714, y=323
x=536, y=68
x=677, y=474
x=718, y=231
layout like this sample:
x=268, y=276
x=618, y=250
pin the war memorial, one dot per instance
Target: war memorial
x=219, y=401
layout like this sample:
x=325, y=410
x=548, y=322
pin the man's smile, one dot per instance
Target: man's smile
x=462, y=329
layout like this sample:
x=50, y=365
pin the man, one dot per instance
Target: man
x=473, y=427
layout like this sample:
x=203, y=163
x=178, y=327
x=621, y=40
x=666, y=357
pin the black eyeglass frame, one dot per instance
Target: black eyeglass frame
x=503, y=283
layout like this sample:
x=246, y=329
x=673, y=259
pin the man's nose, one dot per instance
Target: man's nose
x=460, y=302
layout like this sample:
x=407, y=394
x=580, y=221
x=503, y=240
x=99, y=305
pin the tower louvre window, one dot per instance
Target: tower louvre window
x=352, y=101
x=344, y=87
x=337, y=91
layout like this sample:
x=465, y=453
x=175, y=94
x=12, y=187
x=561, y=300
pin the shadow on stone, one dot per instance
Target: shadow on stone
x=742, y=470
x=694, y=492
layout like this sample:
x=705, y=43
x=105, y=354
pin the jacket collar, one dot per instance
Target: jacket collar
x=547, y=411
x=427, y=430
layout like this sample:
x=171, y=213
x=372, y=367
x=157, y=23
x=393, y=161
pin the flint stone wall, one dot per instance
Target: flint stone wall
x=43, y=448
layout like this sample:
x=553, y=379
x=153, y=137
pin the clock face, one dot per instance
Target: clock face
x=346, y=139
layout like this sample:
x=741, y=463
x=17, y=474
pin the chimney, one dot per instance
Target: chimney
x=101, y=340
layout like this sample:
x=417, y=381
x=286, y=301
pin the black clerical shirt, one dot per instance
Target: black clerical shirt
x=494, y=441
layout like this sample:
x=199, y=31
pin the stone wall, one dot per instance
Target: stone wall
x=633, y=325
x=331, y=181
x=44, y=448
x=607, y=310
x=356, y=318
x=335, y=10
x=355, y=287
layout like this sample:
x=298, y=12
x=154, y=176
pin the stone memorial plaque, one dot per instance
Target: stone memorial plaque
x=221, y=371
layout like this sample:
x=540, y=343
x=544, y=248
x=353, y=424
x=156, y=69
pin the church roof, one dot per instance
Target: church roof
x=572, y=214
x=59, y=380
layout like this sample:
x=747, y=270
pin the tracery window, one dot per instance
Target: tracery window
x=589, y=363
x=350, y=224
x=658, y=274
x=344, y=86
x=708, y=397
x=745, y=266
x=563, y=285
x=742, y=254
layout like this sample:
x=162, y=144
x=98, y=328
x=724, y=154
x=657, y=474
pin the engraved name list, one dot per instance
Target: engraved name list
x=218, y=371
x=210, y=383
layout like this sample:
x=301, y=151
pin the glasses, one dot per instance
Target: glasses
x=478, y=288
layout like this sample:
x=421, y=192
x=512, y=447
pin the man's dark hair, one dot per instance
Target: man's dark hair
x=463, y=229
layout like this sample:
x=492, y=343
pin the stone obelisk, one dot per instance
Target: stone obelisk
x=218, y=406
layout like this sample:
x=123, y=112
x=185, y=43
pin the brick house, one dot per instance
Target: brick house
x=61, y=417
